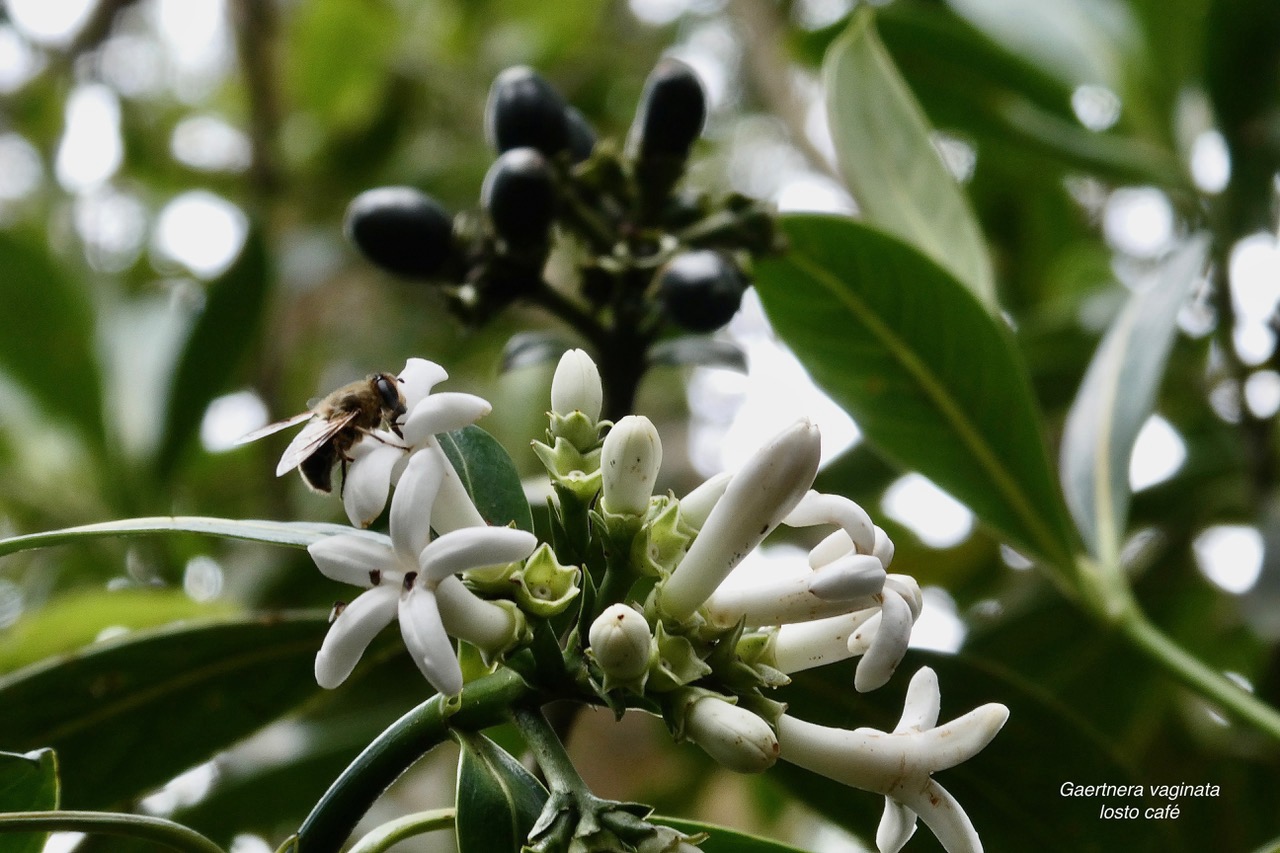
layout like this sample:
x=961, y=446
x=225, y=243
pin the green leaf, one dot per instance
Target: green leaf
x=724, y=840
x=295, y=534
x=886, y=155
x=76, y=619
x=932, y=379
x=1116, y=398
x=490, y=476
x=224, y=331
x=498, y=800
x=127, y=715
x=47, y=345
x=1011, y=790
x=28, y=783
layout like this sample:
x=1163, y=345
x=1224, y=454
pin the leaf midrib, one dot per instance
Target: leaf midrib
x=951, y=412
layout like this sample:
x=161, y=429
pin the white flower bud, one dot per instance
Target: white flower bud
x=733, y=736
x=576, y=386
x=756, y=500
x=629, y=462
x=697, y=505
x=621, y=642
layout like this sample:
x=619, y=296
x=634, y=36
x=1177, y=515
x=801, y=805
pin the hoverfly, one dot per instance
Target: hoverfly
x=333, y=427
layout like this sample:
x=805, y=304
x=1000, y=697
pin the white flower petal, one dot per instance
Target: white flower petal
x=418, y=378
x=353, y=630
x=897, y=825
x=427, y=642
x=944, y=816
x=849, y=577
x=907, y=587
x=884, y=547
x=444, y=412
x=887, y=647
x=411, y=506
x=818, y=508
x=697, y=505
x=368, y=482
x=924, y=700
x=487, y=626
x=474, y=548
x=860, y=639
x=348, y=558
x=453, y=508
x=830, y=549
x=962, y=738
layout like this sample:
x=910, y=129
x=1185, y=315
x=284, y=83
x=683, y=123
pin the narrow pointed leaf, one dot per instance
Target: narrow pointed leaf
x=28, y=783
x=127, y=715
x=886, y=154
x=1115, y=399
x=932, y=379
x=294, y=534
x=498, y=799
x=489, y=476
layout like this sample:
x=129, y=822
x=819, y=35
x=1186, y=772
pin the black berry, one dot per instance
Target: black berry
x=402, y=230
x=523, y=111
x=519, y=195
x=582, y=137
x=671, y=114
x=700, y=290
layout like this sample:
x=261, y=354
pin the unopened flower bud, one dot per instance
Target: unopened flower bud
x=621, y=643
x=629, y=462
x=731, y=735
x=758, y=497
x=576, y=386
x=697, y=505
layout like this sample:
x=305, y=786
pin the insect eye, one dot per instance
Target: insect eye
x=387, y=391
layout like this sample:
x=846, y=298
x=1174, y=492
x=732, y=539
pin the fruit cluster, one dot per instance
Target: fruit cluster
x=646, y=253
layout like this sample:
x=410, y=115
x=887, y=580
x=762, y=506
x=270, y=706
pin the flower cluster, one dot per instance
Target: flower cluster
x=671, y=626
x=693, y=641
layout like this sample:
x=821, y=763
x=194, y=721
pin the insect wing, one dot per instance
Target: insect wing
x=272, y=429
x=313, y=436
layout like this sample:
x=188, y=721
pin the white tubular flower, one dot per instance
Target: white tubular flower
x=756, y=500
x=621, y=643
x=889, y=645
x=804, y=645
x=378, y=463
x=404, y=577
x=575, y=387
x=733, y=736
x=853, y=582
x=629, y=462
x=900, y=765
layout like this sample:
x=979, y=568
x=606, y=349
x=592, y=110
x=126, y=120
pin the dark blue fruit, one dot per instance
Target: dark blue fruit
x=700, y=290
x=523, y=111
x=519, y=195
x=402, y=230
x=672, y=111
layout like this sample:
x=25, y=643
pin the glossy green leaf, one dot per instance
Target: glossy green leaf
x=489, y=475
x=498, y=800
x=1010, y=790
x=129, y=714
x=76, y=619
x=223, y=333
x=47, y=344
x=724, y=840
x=294, y=534
x=28, y=783
x=887, y=157
x=932, y=379
x=1116, y=398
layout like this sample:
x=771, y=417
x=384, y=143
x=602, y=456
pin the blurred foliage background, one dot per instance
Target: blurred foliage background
x=173, y=175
